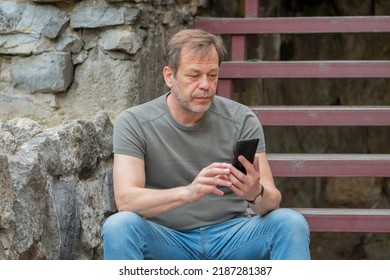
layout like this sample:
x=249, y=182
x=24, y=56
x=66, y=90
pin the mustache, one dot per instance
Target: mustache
x=203, y=94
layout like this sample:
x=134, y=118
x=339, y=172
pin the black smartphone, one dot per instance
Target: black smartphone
x=247, y=148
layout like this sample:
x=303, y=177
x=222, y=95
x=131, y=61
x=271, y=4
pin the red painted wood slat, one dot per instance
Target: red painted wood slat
x=304, y=69
x=252, y=8
x=225, y=88
x=299, y=25
x=347, y=220
x=330, y=165
x=238, y=46
x=323, y=115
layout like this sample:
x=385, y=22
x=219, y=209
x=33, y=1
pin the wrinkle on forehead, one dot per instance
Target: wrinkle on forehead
x=199, y=56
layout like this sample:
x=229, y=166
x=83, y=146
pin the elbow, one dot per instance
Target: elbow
x=120, y=208
x=273, y=201
x=277, y=199
x=122, y=204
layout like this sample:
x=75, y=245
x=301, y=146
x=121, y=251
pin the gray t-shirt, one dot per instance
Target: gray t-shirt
x=174, y=154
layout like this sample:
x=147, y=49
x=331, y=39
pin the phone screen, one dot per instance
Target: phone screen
x=247, y=148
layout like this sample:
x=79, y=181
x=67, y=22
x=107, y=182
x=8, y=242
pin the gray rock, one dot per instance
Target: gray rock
x=104, y=130
x=131, y=1
x=122, y=40
x=19, y=44
x=163, y=2
x=55, y=26
x=84, y=16
x=6, y=196
x=56, y=190
x=31, y=19
x=79, y=58
x=25, y=27
x=7, y=143
x=131, y=15
x=17, y=131
x=48, y=72
x=67, y=212
x=70, y=44
x=52, y=1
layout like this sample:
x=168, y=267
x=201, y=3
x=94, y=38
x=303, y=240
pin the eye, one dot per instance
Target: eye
x=193, y=76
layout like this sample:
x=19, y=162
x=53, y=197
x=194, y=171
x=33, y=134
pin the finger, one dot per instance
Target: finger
x=246, y=163
x=223, y=177
x=214, y=181
x=236, y=179
x=217, y=191
x=216, y=169
x=256, y=165
x=237, y=173
x=237, y=191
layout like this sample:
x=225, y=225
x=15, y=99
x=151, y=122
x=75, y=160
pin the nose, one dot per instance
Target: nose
x=204, y=83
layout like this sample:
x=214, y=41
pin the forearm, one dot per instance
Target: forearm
x=271, y=201
x=132, y=194
x=148, y=202
x=271, y=196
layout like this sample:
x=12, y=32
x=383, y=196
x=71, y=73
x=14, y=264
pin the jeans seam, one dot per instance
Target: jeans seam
x=266, y=236
x=147, y=238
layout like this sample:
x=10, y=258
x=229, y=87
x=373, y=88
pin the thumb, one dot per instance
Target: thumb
x=256, y=165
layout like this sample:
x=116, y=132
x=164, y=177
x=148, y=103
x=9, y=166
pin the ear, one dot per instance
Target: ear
x=168, y=76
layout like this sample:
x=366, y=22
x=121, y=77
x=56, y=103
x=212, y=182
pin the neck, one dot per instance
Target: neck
x=182, y=115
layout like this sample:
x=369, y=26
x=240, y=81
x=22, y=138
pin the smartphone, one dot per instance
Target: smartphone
x=247, y=148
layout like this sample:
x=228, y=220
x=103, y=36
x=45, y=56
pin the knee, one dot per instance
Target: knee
x=288, y=219
x=120, y=222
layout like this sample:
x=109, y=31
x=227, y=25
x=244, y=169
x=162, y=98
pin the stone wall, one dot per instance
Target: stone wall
x=64, y=60
x=55, y=188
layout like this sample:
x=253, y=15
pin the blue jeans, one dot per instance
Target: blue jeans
x=281, y=234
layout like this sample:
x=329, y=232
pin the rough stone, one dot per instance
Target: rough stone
x=55, y=26
x=48, y=72
x=51, y=1
x=31, y=19
x=122, y=40
x=15, y=132
x=84, y=16
x=163, y=2
x=69, y=44
x=90, y=85
x=6, y=195
x=19, y=44
x=79, y=58
x=49, y=208
x=131, y=1
x=7, y=215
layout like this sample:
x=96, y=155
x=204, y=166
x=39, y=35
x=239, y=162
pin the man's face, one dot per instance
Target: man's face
x=195, y=83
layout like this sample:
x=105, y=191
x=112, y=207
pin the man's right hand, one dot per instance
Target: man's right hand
x=131, y=194
x=208, y=181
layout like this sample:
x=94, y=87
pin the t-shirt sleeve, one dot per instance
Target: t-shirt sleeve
x=252, y=129
x=128, y=136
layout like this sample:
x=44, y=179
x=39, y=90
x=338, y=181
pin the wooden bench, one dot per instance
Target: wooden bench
x=312, y=165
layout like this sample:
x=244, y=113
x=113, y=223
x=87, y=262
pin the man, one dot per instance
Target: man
x=177, y=193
